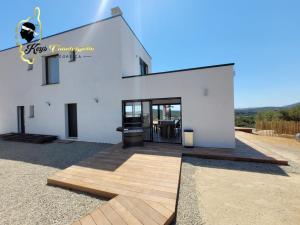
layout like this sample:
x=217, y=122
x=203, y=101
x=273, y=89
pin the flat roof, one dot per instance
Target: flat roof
x=181, y=70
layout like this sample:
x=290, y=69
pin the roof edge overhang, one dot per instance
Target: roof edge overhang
x=181, y=70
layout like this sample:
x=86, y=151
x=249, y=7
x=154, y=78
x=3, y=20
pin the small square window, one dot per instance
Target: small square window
x=31, y=111
x=143, y=67
x=72, y=56
x=30, y=66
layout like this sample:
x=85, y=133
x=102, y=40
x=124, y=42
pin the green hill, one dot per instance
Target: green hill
x=245, y=117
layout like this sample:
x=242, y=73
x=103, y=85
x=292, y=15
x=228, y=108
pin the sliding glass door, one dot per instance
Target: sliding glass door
x=160, y=118
x=166, y=121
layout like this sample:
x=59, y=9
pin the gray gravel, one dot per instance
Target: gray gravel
x=188, y=211
x=26, y=199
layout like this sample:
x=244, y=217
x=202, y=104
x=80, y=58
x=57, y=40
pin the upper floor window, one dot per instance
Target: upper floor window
x=52, y=69
x=30, y=66
x=144, y=67
x=72, y=56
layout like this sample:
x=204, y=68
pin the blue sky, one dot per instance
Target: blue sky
x=261, y=37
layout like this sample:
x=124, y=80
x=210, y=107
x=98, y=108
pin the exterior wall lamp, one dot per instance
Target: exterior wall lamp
x=205, y=92
x=96, y=100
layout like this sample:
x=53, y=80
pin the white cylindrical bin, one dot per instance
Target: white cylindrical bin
x=298, y=136
x=188, y=138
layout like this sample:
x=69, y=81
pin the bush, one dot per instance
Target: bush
x=292, y=114
x=245, y=121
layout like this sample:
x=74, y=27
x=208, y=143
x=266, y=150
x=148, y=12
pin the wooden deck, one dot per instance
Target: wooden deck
x=29, y=138
x=142, y=184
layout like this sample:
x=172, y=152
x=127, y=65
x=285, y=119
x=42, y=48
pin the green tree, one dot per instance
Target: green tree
x=292, y=114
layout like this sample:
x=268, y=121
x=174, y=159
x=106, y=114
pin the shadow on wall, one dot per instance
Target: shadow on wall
x=55, y=155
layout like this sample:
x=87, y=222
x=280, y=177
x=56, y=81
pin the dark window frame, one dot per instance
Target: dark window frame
x=47, y=75
x=144, y=68
x=133, y=106
x=30, y=66
x=123, y=104
x=72, y=56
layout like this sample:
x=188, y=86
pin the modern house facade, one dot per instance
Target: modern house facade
x=88, y=98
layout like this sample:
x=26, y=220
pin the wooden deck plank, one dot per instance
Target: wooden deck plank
x=130, y=183
x=124, y=212
x=112, y=215
x=29, y=138
x=121, y=174
x=143, y=185
x=142, y=181
x=160, y=208
x=119, y=188
x=87, y=220
x=99, y=217
x=147, y=209
x=143, y=217
x=134, y=161
x=125, y=177
x=135, y=174
x=105, y=191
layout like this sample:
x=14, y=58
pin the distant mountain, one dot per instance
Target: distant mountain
x=292, y=105
x=251, y=111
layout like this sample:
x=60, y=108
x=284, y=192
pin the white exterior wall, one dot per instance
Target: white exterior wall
x=132, y=51
x=117, y=54
x=80, y=82
x=211, y=117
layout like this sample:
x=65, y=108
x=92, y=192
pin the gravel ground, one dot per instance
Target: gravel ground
x=26, y=199
x=187, y=209
x=223, y=192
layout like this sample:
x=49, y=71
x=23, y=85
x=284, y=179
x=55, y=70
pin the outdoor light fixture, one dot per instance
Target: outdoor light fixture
x=96, y=100
x=48, y=103
x=205, y=92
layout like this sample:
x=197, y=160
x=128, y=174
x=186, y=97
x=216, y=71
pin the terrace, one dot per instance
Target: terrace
x=142, y=183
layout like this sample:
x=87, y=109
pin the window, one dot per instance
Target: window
x=72, y=56
x=133, y=109
x=30, y=66
x=52, y=69
x=31, y=111
x=144, y=67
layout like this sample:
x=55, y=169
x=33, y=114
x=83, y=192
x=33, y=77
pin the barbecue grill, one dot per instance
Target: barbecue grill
x=132, y=136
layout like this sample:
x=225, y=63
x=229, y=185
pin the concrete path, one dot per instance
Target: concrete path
x=277, y=147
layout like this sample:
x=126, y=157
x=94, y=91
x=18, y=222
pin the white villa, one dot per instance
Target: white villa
x=86, y=98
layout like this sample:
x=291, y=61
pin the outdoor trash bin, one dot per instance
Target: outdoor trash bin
x=188, y=138
x=298, y=136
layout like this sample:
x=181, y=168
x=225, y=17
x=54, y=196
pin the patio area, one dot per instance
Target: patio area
x=142, y=182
